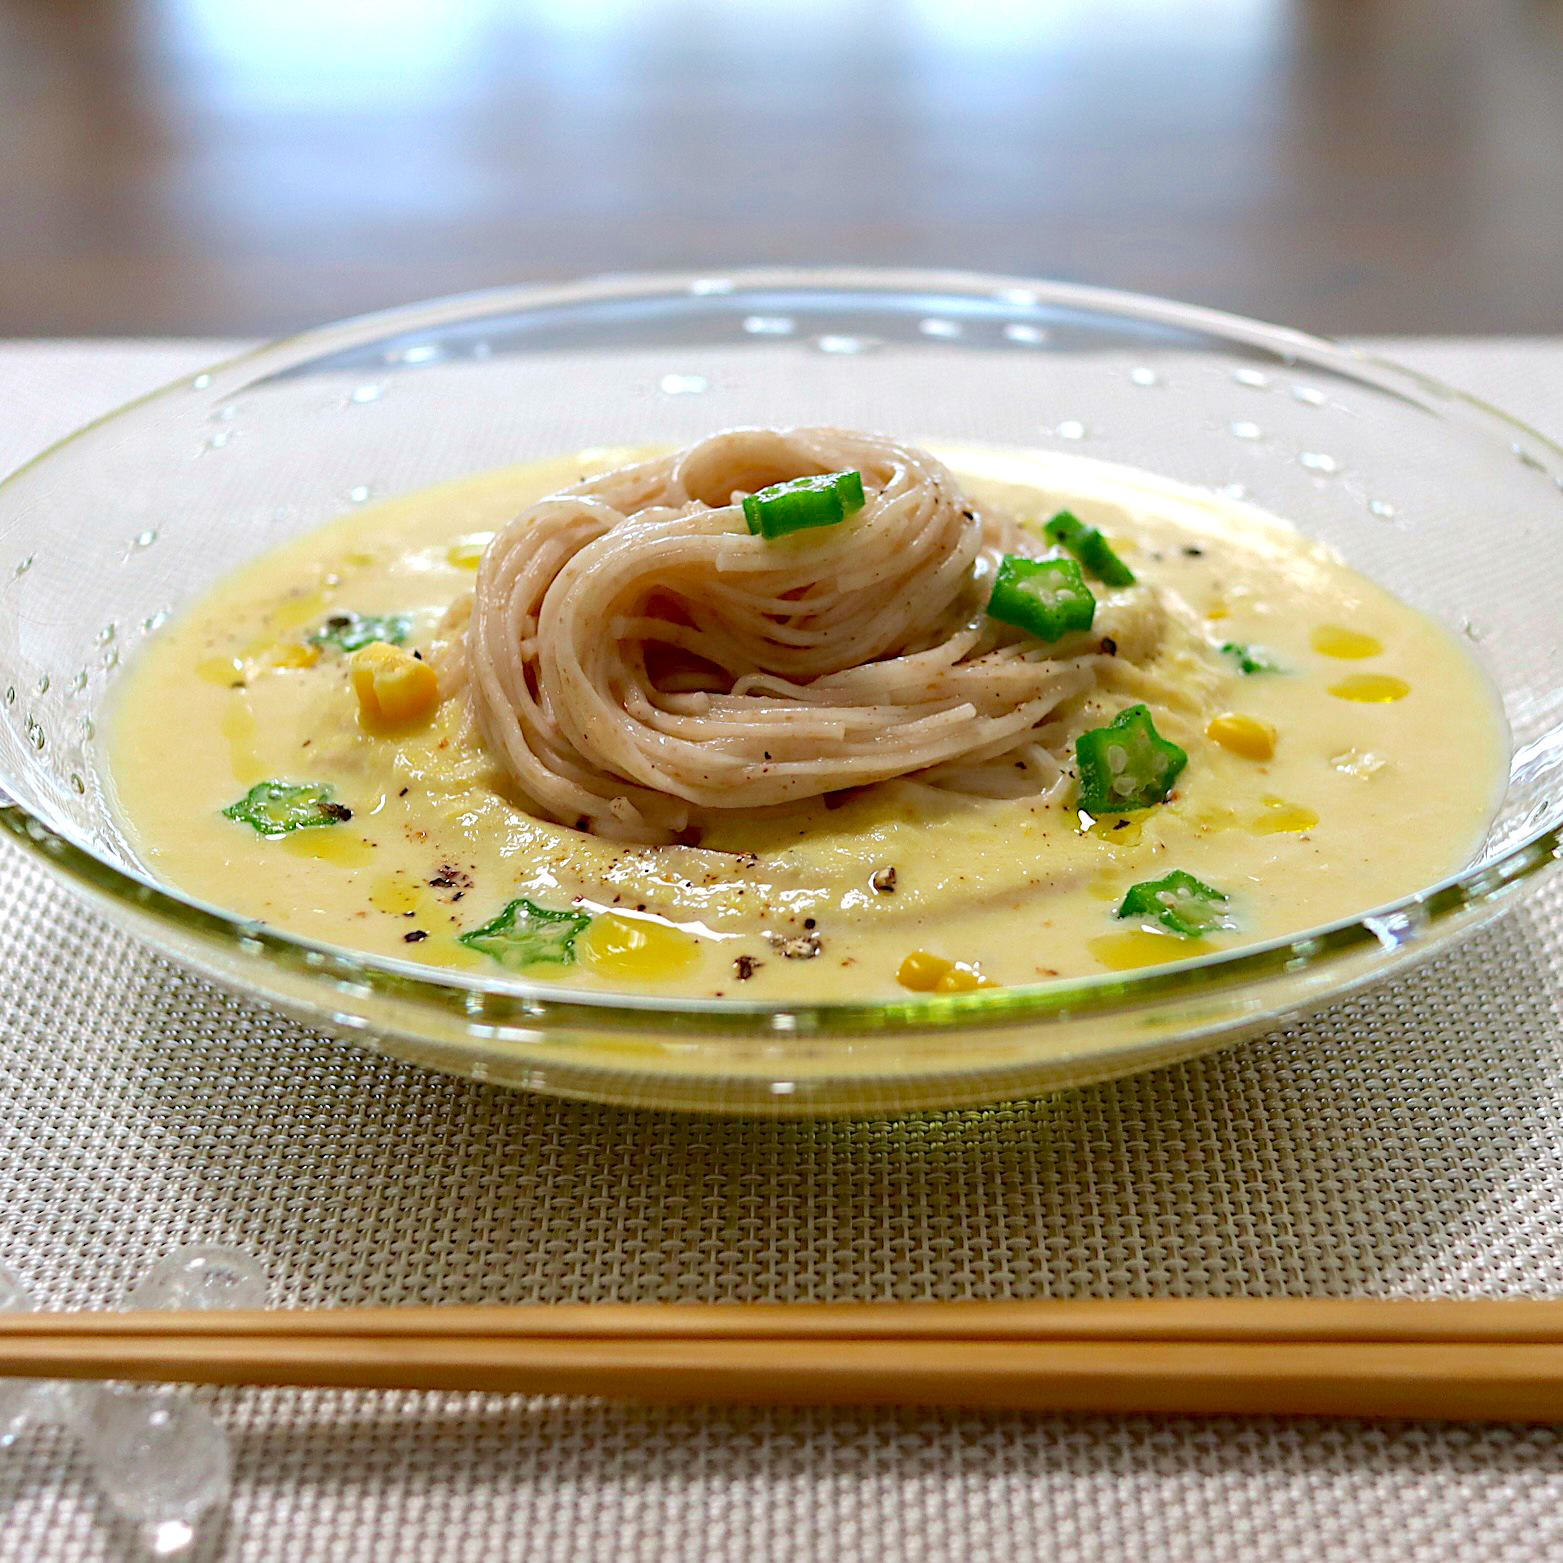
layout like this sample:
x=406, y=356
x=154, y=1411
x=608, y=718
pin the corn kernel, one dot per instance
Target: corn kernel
x=961, y=978
x=1244, y=735
x=393, y=686
x=921, y=971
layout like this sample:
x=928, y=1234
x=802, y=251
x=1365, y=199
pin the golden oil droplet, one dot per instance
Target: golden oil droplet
x=639, y=951
x=1371, y=688
x=240, y=729
x=1137, y=947
x=396, y=895
x=1108, y=888
x=466, y=553
x=295, y=612
x=1283, y=818
x=329, y=844
x=220, y=670
x=290, y=654
x=1118, y=830
x=443, y=950
x=1335, y=640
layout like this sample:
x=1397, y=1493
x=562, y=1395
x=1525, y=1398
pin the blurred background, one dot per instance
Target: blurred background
x=178, y=167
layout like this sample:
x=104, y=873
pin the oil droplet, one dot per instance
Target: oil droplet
x=616, y=946
x=1107, y=888
x=219, y=670
x=1371, y=688
x=289, y=654
x=444, y=952
x=1139, y=947
x=395, y=894
x=1117, y=830
x=240, y=729
x=1283, y=818
x=329, y=844
x=293, y=613
x=466, y=553
x=1334, y=640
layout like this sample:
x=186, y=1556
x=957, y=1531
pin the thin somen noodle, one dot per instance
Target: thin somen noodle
x=639, y=663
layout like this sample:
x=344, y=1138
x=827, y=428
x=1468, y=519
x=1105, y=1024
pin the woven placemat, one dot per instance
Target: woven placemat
x=1408, y=1143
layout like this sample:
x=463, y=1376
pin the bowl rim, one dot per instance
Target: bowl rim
x=1390, y=932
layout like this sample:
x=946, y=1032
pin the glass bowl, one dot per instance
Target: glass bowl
x=1450, y=504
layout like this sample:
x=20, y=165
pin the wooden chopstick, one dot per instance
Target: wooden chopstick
x=1538, y=1320
x=1464, y=1359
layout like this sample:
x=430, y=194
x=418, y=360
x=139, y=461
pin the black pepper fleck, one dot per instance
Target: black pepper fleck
x=883, y=880
x=338, y=811
x=415, y=936
x=744, y=967
x=796, y=947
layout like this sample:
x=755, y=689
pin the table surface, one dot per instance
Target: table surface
x=1409, y=1143
x=181, y=166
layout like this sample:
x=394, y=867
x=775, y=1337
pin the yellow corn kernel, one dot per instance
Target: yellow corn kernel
x=921, y=971
x=1371, y=688
x=393, y=687
x=961, y=978
x=1334, y=640
x=1244, y=735
x=290, y=654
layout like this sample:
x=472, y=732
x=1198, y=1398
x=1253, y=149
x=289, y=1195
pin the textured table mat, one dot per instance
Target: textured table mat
x=1410, y=1144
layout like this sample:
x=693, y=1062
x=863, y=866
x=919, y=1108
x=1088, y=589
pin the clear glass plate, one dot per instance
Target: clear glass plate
x=1453, y=506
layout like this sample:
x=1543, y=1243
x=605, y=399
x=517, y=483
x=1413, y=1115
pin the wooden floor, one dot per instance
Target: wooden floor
x=238, y=166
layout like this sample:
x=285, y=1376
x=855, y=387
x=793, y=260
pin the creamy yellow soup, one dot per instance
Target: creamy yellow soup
x=1357, y=761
